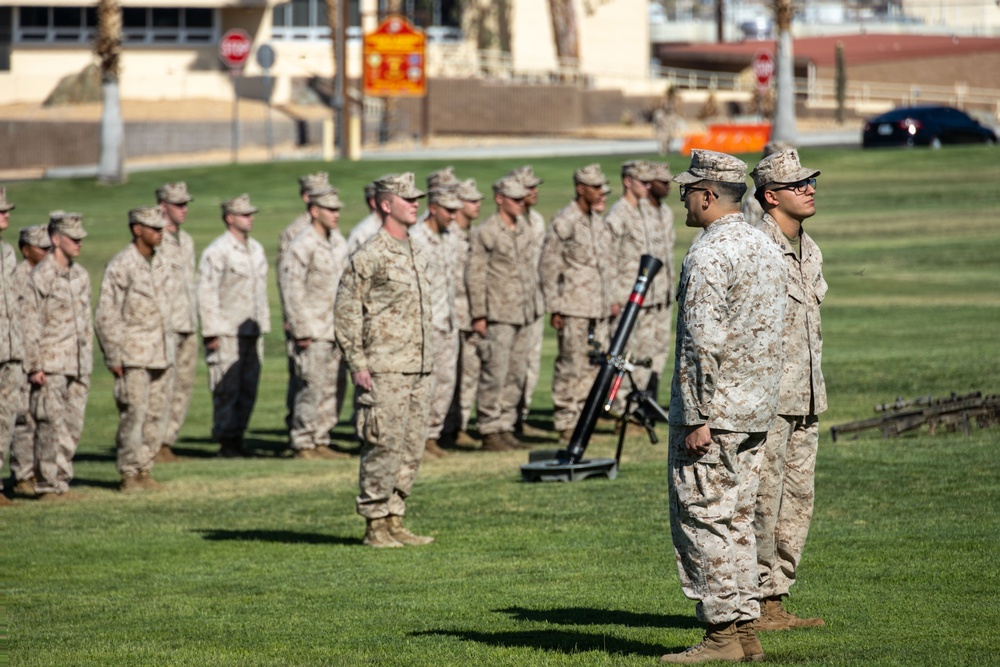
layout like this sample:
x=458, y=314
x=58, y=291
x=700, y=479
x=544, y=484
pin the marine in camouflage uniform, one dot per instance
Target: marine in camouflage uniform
x=34, y=243
x=469, y=366
x=723, y=398
x=134, y=327
x=234, y=313
x=382, y=319
x=577, y=274
x=663, y=298
x=178, y=254
x=786, y=191
x=58, y=353
x=504, y=301
x=11, y=345
x=311, y=270
x=639, y=229
x=310, y=184
x=537, y=224
x=369, y=225
x=433, y=232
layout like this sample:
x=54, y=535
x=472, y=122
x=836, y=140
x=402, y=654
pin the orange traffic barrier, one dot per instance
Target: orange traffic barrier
x=732, y=139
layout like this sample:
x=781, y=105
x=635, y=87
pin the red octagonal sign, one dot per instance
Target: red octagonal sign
x=763, y=67
x=234, y=48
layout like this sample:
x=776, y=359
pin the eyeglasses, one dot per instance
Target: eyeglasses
x=687, y=189
x=800, y=187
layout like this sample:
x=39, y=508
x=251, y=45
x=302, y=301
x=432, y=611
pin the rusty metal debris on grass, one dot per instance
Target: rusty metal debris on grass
x=954, y=413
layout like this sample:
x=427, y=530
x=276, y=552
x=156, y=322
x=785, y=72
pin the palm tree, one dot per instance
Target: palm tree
x=564, y=28
x=783, y=128
x=108, y=47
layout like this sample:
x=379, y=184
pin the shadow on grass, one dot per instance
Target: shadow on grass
x=81, y=457
x=591, y=616
x=111, y=485
x=556, y=640
x=279, y=536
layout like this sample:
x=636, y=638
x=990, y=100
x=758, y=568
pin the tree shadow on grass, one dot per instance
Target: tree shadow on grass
x=559, y=641
x=279, y=536
x=111, y=485
x=99, y=457
x=590, y=616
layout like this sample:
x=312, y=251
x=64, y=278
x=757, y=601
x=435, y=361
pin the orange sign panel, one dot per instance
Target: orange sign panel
x=394, y=60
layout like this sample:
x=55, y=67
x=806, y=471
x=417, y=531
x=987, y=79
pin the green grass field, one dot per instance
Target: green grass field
x=259, y=561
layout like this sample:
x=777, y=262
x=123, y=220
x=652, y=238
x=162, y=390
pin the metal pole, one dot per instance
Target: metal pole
x=235, y=73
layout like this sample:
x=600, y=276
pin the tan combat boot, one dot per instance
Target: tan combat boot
x=130, y=484
x=146, y=480
x=513, y=441
x=377, y=534
x=495, y=442
x=721, y=642
x=433, y=449
x=326, y=452
x=166, y=455
x=565, y=435
x=402, y=535
x=774, y=617
x=25, y=488
x=463, y=439
x=752, y=650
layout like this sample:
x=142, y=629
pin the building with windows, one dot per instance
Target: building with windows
x=171, y=46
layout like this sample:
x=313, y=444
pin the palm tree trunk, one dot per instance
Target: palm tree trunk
x=111, y=162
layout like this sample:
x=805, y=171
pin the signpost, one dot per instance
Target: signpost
x=394, y=64
x=234, y=50
x=265, y=58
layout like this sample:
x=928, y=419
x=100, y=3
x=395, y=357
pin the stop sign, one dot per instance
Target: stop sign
x=763, y=67
x=234, y=48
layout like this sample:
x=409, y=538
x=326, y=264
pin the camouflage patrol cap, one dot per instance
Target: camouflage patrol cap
x=590, y=175
x=467, y=191
x=713, y=166
x=369, y=190
x=4, y=204
x=510, y=186
x=239, y=206
x=35, y=235
x=442, y=178
x=527, y=176
x=402, y=185
x=328, y=199
x=782, y=167
x=638, y=169
x=317, y=182
x=446, y=197
x=149, y=216
x=67, y=224
x=174, y=193
x=606, y=189
x=661, y=171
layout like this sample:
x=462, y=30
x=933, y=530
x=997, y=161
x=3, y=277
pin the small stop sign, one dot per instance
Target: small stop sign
x=234, y=48
x=763, y=67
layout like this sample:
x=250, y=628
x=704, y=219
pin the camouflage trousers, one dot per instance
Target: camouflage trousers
x=22, y=447
x=392, y=421
x=184, y=369
x=467, y=383
x=11, y=377
x=143, y=399
x=443, y=380
x=504, y=355
x=785, y=500
x=711, y=522
x=650, y=340
x=321, y=379
x=533, y=368
x=233, y=377
x=574, y=375
x=57, y=407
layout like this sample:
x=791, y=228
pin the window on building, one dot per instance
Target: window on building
x=140, y=25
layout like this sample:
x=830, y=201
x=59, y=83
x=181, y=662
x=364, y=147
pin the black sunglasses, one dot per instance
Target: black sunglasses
x=800, y=187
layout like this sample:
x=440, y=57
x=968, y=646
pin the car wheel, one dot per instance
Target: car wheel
x=990, y=142
x=935, y=143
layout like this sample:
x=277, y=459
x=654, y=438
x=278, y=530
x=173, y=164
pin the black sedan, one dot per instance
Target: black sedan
x=924, y=126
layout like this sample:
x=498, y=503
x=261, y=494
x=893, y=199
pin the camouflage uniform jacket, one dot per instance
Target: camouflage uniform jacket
x=58, y=330
x=638, y=230
x=502, y=274
x=803, y=390
x=536, y=221
x=178, y=254
x=11, y=343
x=576, y=268
x=383, y=311
x=441, y=262
x=133, y=322
x=232, y=289
x=669, y=269
x=363, y=231
x=289, y=234
x=311, y=270
x=459, y=239
x=727, y=364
